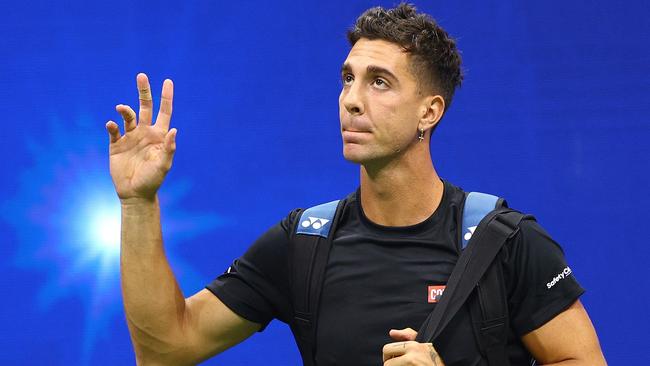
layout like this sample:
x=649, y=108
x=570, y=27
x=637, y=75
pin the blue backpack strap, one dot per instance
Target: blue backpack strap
x=317, y=220
x=477, y=206
x=477, y=280
x=488, y=304
x=309, y=249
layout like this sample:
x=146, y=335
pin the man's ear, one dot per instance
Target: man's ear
x=432, y=110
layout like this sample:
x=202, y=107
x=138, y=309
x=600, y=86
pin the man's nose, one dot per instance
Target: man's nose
x=352, y=100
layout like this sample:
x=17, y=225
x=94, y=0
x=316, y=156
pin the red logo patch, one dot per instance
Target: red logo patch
x=435, y=292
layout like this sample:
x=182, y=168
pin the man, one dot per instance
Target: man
x=395, y=238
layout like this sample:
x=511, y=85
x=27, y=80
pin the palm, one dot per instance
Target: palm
x=137, y=162
x=140, y=159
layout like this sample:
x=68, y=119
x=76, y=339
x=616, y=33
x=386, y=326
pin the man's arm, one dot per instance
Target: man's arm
x=567, y=339
x=166, y=328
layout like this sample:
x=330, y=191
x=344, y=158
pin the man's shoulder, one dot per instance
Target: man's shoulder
x=319, y=210
x=328, y=204
x=454, y=194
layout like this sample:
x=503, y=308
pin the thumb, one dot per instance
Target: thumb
x=169, y=147
x=170, y=141
x=406, y=334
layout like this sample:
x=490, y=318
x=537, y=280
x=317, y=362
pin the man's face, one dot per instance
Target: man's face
x=379, y=105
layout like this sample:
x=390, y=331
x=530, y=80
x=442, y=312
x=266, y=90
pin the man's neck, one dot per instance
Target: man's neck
x=401, y=193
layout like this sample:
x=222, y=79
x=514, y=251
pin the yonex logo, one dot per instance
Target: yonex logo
x=314, y=222
x=469, y=234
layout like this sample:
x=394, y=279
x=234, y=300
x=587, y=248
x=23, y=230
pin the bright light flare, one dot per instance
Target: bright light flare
x=104, y=231
x=66, y=217
x=100, y=223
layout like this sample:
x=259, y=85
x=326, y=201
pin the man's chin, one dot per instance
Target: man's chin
x=353, y=156
x=357, y=157
x=353, y=160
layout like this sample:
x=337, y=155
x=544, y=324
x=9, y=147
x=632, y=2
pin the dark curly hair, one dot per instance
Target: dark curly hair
x=435, y=60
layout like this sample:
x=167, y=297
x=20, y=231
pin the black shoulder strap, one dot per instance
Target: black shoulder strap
x=488, y=307
x=308, y=255
x=488, y=304
x=489, y=237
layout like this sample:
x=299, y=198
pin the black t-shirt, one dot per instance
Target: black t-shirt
x=378, y=279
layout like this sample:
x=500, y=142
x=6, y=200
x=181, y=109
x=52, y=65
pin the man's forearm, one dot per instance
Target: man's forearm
x=153, y=301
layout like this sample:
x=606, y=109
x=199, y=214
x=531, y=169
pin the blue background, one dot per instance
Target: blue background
x=552, y=115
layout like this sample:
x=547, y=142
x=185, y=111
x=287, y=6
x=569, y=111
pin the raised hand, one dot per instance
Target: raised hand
x=140, y=159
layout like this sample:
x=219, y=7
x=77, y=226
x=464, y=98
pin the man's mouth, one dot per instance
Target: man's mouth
x=354, y=136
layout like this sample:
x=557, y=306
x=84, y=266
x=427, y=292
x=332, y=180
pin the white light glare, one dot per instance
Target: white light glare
x=105, y=231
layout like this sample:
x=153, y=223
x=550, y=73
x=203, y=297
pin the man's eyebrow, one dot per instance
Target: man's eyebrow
x=377, y=70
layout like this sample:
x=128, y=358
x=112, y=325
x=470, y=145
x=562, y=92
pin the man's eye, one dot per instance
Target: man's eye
x=380, y=83
x=347, y=79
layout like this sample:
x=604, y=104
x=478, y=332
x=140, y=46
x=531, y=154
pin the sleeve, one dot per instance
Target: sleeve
x=256, y=285
x=540, y=282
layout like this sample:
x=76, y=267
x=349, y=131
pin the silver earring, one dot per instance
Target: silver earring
x=421, y=135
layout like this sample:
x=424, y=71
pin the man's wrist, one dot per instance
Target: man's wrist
x=137, y=205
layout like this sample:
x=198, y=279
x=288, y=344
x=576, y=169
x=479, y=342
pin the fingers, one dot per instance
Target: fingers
x=406, y=334
x=113, y=131
x=411, y=353
x=396, y=349
x=165, y=111
x=128, y=115
x=146, y=102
